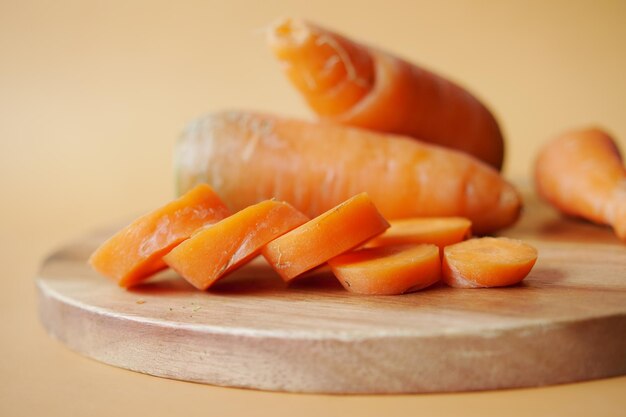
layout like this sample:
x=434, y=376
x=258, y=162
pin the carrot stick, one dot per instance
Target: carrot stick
x=334, y=232
x=316, y=166
x=215, y=251
x=440, y=231
x=582, y=174
x=388, y=270
x=352, y=83
x=135, y=252
x=487, y=262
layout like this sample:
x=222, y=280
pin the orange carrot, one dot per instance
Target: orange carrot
x=136, y=251
x=354, y=84
x=582, y=174
x=487, y=262
x=388, y=270
x=215, y=251
x=338, y=230
x=249, y=157
x=440, y=231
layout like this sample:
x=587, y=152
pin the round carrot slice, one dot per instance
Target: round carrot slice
x=440, y=231
x=388, y=270
x=487, y=262
x=332, y=233
x=213, y=252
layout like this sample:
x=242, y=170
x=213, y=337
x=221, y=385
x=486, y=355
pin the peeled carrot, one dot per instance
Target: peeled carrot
x=135, y=252
x=582, y=174
x=351, y=83
x=440, y=231
x=487, y=262
x=249, y=157
x=223, y=247
x=334, y=232
x=388, y=270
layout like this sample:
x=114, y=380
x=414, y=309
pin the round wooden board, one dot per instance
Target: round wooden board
x=566, y=322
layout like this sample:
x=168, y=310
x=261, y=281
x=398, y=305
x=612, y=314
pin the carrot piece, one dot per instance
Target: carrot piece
x=135, y=252
x=440, y=231
x=582, y=173
x=334, y=232
x=316, y=166
x=213, y=252
x=388, y=270
x=487, y=262
x=351, y=83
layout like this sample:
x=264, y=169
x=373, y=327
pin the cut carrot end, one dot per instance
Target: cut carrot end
x=332, y=72
x=223, y=247
x=334, y=232
x=388, y=270
x=440, y=231
x=487, y=262
x=136, y=251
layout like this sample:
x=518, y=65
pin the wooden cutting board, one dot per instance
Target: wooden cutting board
x=566, y=322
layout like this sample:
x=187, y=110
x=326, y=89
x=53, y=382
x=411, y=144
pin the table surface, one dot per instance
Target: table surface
x=94, y=93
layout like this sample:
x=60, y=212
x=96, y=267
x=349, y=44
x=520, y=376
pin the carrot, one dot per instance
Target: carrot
x=135, y=252
x=249, y=157
x=582, y=174
x=388, y=270
x=215, y=251
x=351, y=83
x=334, y=232
x=487, y=262
x=440, y=231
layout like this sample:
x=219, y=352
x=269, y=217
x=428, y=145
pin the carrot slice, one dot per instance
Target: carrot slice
x=388, y=270
x=219, y=249
x=440, y=231
x=487, y=262
x=334, y=232
x=135, y=252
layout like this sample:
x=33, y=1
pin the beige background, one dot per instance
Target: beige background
x=93, y=93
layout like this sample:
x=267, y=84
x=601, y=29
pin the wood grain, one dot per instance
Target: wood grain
x=566, y=322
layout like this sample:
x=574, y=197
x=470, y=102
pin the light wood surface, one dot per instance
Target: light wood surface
x=566, y=322
x=93, y=93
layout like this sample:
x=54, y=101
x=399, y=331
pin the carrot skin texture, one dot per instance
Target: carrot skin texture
x=211, y=253
x=388, y=270
x=336, y=231
x=582, y=174
x=136, y=251
x=440, y=231
x=351, y=83
x=315, y=166
x=487, y=262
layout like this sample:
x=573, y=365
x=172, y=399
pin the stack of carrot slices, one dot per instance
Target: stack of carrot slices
x=200, y=239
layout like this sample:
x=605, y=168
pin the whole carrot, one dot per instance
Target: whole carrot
x=351, y=83
x=582, y=174
x=250, y=157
